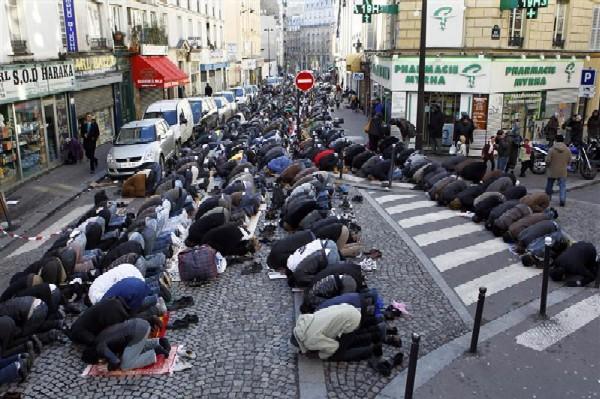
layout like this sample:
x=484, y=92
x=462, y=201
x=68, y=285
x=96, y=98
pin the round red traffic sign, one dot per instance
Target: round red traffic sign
x=304, y=80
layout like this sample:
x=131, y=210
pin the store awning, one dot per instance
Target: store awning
x=156, y=72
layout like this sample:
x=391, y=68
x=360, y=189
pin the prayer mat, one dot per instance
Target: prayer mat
x=162, y=366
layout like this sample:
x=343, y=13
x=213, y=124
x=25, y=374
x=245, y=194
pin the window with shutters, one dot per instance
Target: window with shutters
x=595, y=39
x=558, y=39
x=93, y=19
x=63, y=28
x=14, y=20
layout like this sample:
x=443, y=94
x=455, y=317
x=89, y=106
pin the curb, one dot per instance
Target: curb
x=58, y=207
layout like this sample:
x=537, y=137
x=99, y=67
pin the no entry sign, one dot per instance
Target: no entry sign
x=304, y=80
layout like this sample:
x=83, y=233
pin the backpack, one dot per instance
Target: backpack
x=198, y=264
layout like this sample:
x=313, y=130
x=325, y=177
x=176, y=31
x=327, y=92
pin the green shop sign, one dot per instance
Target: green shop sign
x=535, y=75
x=381, y=71
x=437, y=74
x=367, y=8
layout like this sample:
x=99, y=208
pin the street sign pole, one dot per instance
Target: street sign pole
x=421, y=87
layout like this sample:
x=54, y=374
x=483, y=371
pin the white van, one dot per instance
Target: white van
x=177, y=113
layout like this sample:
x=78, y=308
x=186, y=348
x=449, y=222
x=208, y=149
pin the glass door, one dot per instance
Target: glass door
x=30, y=136
x=51, y=130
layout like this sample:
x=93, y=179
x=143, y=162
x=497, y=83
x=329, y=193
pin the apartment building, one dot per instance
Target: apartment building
x=501, y=64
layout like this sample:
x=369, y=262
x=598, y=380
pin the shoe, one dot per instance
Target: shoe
x=23, y=372
x=178, y=325
x=181, y=365
x=392, y=331
x=393, y=340
x=383, y=367
x=185, y=353
x=562, y=204
x=165, y=344
x=37, y=344
x=191, y=318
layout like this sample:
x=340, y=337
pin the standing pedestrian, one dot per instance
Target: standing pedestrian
x=593, y=126
x=436, y=125
x=551, y=129
x=464, y=127
x=375, y=131
x=525, y=157
x=502, y=150
x=575, y=126
x=513, y=140
x=558, y=160
x=489, y=152
x=90, y=133
x=208, y=91
x=338, y=97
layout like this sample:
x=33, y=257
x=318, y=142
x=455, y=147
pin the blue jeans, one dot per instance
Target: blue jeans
x=562, y=185
x=502, y=162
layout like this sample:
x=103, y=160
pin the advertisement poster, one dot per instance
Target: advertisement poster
x=480, y=110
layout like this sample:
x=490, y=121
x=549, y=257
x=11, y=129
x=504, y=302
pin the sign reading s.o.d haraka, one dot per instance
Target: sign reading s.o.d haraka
x=20, y=82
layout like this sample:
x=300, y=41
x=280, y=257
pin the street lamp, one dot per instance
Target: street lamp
x=269, y=30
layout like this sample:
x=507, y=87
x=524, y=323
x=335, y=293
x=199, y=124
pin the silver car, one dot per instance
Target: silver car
x=138, y=144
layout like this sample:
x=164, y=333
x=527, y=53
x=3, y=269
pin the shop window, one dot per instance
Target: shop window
x=515, y=25
x=30, y=137
x=595, y=38
x=558, y=39
x=9, y=161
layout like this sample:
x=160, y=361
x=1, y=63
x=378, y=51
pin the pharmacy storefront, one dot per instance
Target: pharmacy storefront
x=495, y=93
x=33, y=118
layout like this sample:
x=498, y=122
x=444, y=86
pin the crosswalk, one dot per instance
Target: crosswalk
x=468, y=257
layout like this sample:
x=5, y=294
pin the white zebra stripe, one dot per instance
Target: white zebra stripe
x=426, y=218
x=495, y=281
x=452, y=259
x=562, y=325
x=408, y=207
x=448, y=233
x=393, y=197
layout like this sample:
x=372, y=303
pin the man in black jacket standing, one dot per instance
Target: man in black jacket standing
x=436, y=125
x=90, y=133
x=208, y=91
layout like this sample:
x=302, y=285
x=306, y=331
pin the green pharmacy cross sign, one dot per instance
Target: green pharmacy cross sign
x=367, y=8
x=530, y=6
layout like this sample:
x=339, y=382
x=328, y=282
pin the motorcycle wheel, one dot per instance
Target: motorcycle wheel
x=588, y=173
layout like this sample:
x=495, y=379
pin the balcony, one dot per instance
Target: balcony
x=19, y=47
x=516, y=41
x=154, y=35
x=98, y=43
x=558, y=42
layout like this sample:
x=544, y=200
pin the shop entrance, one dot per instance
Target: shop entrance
x=50, y=127
x=449, y=104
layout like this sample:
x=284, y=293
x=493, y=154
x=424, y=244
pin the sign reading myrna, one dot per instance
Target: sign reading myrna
x=529, y=75
x=20, y=82
x=445, y=23
x=460, y=75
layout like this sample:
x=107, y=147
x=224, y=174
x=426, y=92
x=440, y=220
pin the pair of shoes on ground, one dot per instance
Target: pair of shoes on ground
x=252, y=268
x=184, y=322
x=384, y=367
x=181, y=303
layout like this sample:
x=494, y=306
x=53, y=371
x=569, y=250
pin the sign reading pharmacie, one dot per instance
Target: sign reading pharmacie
x=460, y=75
x=529, y=75
x=23, y=81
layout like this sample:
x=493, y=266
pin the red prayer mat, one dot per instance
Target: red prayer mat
x=162, y=366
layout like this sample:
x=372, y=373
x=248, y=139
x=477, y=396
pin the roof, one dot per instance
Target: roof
x=142, y=123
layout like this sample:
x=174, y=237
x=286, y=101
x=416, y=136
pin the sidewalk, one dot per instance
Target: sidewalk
x=39, y=198
x=354, y=122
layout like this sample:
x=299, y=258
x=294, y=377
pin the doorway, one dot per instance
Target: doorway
x=50, y=127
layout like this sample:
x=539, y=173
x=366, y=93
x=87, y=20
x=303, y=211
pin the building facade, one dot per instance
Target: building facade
x=65, y=58
x=486, y=59
x=271, y=20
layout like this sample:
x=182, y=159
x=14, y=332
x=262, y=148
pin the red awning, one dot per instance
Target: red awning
x=156, y=71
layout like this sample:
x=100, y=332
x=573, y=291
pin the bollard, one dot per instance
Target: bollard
x=392, y=165
x=544, y=297
x=412, y=366
x=477, y=323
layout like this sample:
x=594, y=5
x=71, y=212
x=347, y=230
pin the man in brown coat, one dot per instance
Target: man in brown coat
x=558, y=160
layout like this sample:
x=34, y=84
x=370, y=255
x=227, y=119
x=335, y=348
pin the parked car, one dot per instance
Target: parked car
x=251, y=91
x=225, y=109
x=140, y=143
x=206, y=115
x=230, y=97
x=273, y=81
x=241, y=97
x=177, y=113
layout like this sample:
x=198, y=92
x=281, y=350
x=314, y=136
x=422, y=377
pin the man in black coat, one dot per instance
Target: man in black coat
x=208, y=91
x=90, y=133
x=436, y=125
x=464, y=127
x=96, y=318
